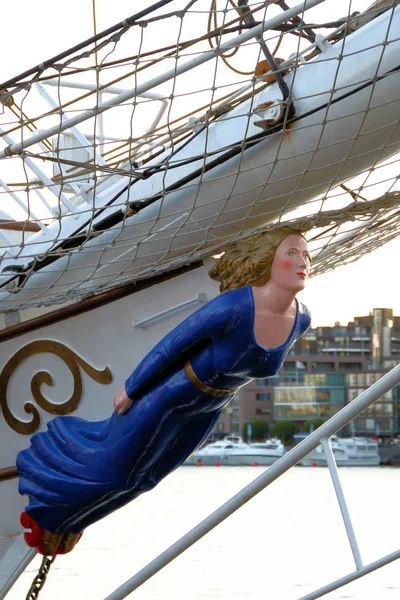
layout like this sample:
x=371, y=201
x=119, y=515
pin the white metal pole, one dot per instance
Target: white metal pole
x=330, y=459
x=43, y=200
x=144, y=87
x=386, y=383
x=7, y=239
x=79, y=136
x=55, y=189
x=377, y=564
x=111, y=89
x=116, y=90
x=20, y=203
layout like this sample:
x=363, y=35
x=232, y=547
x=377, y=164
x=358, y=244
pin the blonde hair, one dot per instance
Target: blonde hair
x=248, y=260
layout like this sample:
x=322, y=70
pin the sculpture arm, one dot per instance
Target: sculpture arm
x=174, y=349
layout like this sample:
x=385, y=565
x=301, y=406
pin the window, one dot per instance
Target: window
x=383, y=409
x=295, y=412
x=362, y=379
x=263, y=396
x=263, y=411
x=315, y=379
x=322, y=395
x=352, y=379
x=324, y=411
x=352, y=394
x=296, y=395
x=322, y=366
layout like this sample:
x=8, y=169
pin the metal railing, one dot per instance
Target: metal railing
x=321, y=435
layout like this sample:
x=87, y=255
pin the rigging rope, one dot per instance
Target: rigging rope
x=126, y=23
x=159, y=152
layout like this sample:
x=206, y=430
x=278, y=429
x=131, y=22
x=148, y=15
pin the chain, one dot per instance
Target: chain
x=40, y=578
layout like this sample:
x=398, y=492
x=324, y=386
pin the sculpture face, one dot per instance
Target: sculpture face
x=291, y=264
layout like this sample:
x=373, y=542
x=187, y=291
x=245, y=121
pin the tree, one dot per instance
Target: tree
x=283, y=430
x=259, y=430
x=317, y=422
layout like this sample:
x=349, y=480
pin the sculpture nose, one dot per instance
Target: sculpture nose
x=302, y=262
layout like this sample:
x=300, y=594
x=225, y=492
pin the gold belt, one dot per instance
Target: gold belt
x=203, y=387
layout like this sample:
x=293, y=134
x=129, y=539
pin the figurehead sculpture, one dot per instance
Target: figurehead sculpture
x=78, y=471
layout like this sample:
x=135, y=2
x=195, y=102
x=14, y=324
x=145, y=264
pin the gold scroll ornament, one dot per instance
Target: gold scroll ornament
x=71, y=360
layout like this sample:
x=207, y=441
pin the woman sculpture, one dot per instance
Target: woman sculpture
x=79, y=471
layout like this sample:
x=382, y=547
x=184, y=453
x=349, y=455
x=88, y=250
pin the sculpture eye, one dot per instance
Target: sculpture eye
x=292, y=253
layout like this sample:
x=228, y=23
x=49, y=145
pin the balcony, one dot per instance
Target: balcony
x=349, y=349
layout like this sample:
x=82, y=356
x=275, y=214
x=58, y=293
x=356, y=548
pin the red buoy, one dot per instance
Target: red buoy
x=256, y=464
x=217, y=464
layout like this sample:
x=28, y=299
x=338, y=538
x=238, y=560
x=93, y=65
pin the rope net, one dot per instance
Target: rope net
x=190, y=125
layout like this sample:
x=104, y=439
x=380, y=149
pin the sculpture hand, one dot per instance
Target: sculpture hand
x=122, y=402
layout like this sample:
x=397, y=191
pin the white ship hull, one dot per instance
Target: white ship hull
x=104, y=337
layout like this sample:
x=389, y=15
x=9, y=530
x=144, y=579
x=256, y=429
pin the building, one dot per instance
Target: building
x=326, y=369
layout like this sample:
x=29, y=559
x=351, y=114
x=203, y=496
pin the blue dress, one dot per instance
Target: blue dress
x=79, y=471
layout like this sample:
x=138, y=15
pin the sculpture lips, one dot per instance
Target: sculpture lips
x=302, y=275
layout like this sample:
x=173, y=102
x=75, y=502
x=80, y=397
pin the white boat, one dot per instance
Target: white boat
x=112, y=207
x=233, y=451
x=264, y=453
x=348, y=452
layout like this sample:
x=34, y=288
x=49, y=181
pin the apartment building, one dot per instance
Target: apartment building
x=325, y=370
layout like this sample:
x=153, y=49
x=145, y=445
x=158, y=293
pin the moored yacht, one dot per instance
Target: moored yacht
x=233, y=451
x=351, y=452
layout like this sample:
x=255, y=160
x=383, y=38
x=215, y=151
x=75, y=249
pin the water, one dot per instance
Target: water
x=283, y=544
